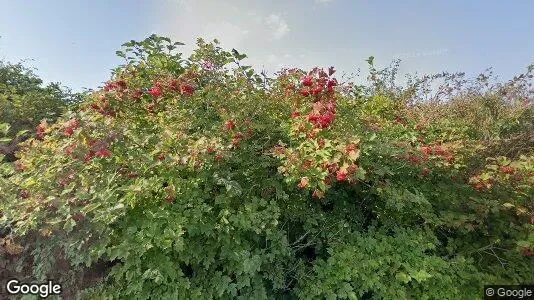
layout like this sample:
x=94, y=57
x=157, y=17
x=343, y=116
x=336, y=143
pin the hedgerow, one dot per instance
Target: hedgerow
x=198, y=178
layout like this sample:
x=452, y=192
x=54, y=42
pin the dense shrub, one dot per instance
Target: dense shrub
x=198, y=178
x=25, y=102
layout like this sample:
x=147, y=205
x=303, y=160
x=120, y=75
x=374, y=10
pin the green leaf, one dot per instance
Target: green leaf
x=4, y=128
x=22, y=132
x=403, y=277
x=421, y=276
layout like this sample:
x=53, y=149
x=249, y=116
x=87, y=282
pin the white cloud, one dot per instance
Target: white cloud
x=227, y=33
x=277, y=25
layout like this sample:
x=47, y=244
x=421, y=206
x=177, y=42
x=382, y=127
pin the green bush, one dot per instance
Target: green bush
x=198, y=179
x=25, y=102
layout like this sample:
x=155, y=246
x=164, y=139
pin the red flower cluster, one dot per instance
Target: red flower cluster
x=527, y=252
x=307, y=81
x=71, y=127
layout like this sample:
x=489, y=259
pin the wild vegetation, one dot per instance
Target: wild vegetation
x=24, y=102
x=197, y=178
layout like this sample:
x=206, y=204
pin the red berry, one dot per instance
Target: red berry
x=156, y=91
x=187, y=89
x=426, y=150
x=341, y=175
x=103, y=153
x=24, y=194
x=229, y=125
x=122, y=84
x=137, y=94
x=74, y=123
x=307, y=81
x=317, y=90
x=174, y=84
x=508, y=170
x=236, y=141
x=68, y=131
x=439, y=150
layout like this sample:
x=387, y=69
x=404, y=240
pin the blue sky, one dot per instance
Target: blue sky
x=74, y=42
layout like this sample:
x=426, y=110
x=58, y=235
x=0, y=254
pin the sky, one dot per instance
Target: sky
x=74, y=41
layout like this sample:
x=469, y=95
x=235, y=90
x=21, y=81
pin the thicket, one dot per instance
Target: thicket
x=25, y=102
x=197, y=178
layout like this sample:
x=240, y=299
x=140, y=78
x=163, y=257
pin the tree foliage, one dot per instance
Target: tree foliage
x=25, y=102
